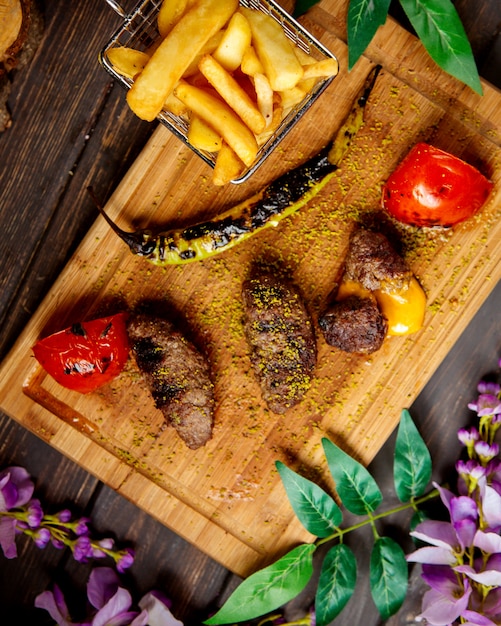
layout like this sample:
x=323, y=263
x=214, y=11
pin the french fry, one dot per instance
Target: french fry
x=303, y=57
x=173, y=56
x=251, y=64
x=264, y=94
x=307, y=85
x=222, y=118
x=208, y=48
x=236, y=39
x=169, y=14
x=175, y=106
x=275, y=50
x=127, y=61
x=202, y=136
x=232, y=93
x=278, y=116
x=291, y=97
x=230, y=72
x=227, y=166
x=321, y=69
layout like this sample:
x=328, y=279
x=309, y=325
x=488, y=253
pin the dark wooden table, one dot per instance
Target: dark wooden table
x=71, y=128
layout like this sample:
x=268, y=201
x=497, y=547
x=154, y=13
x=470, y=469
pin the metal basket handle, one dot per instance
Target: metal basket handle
x=116, y=7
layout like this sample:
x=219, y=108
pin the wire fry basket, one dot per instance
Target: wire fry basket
x=139, y=31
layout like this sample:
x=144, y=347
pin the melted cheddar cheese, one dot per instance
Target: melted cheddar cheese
x=403, y=308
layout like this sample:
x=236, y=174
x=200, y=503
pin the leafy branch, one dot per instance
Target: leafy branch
x=436, y=22
x=280, y=582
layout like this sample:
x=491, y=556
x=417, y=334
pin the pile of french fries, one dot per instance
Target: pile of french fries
x=230, y=70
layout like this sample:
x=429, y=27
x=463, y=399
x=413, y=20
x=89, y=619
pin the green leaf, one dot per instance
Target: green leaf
x=315, y=509
x=301, y=6
x=388, y=576
x=364, y=18
x=412, y=462
x=439, y=27
x=357, y=489
x=268, y=588
x=336, y=584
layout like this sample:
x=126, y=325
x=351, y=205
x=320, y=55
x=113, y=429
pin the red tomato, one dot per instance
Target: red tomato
x=431, y=187
x=87, y=355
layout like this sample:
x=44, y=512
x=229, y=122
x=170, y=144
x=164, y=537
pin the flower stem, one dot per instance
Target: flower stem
x=371, y=519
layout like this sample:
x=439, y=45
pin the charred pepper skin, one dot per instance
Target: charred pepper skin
x=279, y=199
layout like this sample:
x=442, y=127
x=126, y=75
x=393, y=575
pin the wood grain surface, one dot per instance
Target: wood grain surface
x=44, y=214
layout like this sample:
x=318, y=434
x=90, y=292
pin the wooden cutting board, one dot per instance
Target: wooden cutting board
x=227, y=498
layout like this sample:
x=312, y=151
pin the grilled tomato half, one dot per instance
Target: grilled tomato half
x=431, y=187
x=86, y=355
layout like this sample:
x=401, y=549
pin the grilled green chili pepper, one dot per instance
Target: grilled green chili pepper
x=268, y=207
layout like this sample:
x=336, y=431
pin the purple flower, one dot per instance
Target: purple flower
x=448, y=540
x=485, y=451
x=486, y=578
x=112, y=601
x=125, y=559
x=447, y=598
x=470, y=473
x=445, y=495
x=41, y=537
x=54, y=603
x=462, y=564
x=82, y=549
x=464, y=515
x=16, y=488
x=491, y=604
x=485, y=386
x=470, y=469
x=98, y=550
x=111, y=604
x=489, y=543
x=57, y=543
x=487, y=404
x=491, y=508
x=444, y=540
x=80, y=526
x=468, y=437
x=64, y=516
x=8, y=537
x=476, y=619
x=34, y=513
x=492, y=469
x=157, y=608
x=116, y=611
x=102, y=585
x=495, y=421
